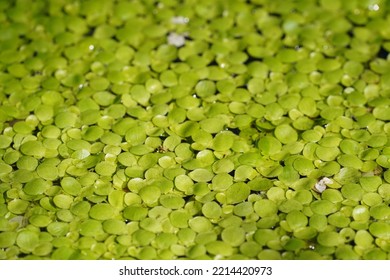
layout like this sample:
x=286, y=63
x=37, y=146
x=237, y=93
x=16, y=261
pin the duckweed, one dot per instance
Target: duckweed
x=206, y=133
x=27, y=240
x=101, y=211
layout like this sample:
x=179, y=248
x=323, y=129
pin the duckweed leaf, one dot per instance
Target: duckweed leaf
x=27, y=240
x=101, y=212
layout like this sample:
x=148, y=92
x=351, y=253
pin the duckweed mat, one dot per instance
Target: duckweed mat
x=195, y=129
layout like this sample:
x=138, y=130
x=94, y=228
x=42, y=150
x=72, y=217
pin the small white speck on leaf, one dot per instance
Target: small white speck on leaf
x=176, y=40
x=374, y=7
x=180, y=20
x=321, y=185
